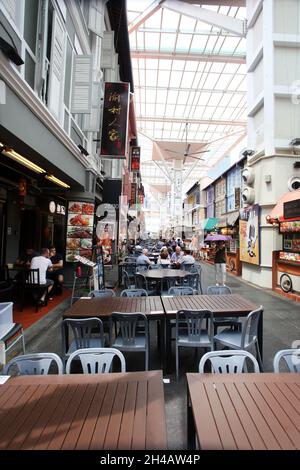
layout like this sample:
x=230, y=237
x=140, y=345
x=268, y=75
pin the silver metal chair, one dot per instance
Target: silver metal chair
x=129, y=336
x=224, y=321
x=102, y=293
x=245, y=339
x=134, y=293
x=87, y=333
x=291, y=358
x=128, y=279
x=34, y=364
x=192, y=280
x=96, y=360
x=194, y=329
x=228, y=362
x=181, y=290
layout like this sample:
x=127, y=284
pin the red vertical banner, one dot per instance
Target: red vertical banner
x=135, y=158
x=133, y=194
x=115, y=120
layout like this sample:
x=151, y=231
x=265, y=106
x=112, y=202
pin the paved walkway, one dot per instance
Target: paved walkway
x=281, y=328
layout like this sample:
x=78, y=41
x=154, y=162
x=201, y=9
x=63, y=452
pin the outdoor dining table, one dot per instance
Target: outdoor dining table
x=114, y=411
x=244, y=411
x=233, y=305
x=162, y=274
x=103, y=308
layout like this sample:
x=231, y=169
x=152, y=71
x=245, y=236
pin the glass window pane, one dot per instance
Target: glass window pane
x=29, y=70
x=30, y=23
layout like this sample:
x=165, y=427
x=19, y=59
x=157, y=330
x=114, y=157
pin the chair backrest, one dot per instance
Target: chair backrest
x=35, y=364
x=31, y=277
x=83, y=330
x=250, y=328
x=218, y=290
x=187, y=266
x=228, y=362
x=291, y=358
x=140, y=281
x=193, y=280
x=102, y=293
x=127, y=280
x=194, y=323
x=181, y=291
x=127, y=324
x=155, y=266
x=96, y=360
x=141, y=267
x=164, y=266
x=134, y=293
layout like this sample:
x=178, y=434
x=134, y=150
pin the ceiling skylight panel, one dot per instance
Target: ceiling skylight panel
x=187, y=79
x=152, y=64
x=174, y=135
x=151, y=96
x=202, y=80
x=160, y=109
x=208, y=112
x=183, y=95
x=150, y=107
x=161, y=96
x=198, y=43
x=140, y=45
x=168, y=42
x=178, y=65
x=150, y=78
x=152, y=41
x=175, y=79
x=217, y=67
x=154, y=20
x=172, y=97
x=226, y=99
x=212, y=80
x=200, y=26
x=241, y=47
x=198, y=112
x=132, y=40
x=170, y=19
x=179, y=111
x=165, y=64
x=163, y=78
x=230, y=45
x=241, y=13
x=223, y=81
x=191, y=65
x=183, y=42
x=215, y=99
x=237, y=100
x=211, y=44
x=235, y=82
x=166, y=134
x=170, y=108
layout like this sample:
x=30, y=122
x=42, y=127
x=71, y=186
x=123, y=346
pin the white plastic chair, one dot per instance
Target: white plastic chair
x=102, y=293
x=134, y=293
x=245, y=339
x=228, y=362
x=291, y=358
x=96, y=360
x=34, y=364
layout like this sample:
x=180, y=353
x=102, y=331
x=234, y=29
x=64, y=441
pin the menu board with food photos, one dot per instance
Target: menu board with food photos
x=80, y=225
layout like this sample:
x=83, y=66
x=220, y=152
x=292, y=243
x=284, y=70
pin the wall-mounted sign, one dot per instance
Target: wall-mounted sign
x=249, y=234
x=79, y=230
x=133, y=194
x=285, y=227
x=115, y=120
x=135, y=158
x=291, y=209
x=52, y=207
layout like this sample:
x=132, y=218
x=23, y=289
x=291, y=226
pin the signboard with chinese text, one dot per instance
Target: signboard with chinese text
x=135, y=158
x=249, y=234
x=291, y=209
x=133, y=194
x=115, y=120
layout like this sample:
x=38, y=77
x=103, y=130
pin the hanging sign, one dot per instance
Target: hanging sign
x=133, y=194
x=135, y=158
x=115, y=120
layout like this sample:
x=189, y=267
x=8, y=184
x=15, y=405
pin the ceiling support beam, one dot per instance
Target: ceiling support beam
x=201, y=90
x=140, y=19
x=207, y=16
x=225, y=3
x=215, y=122
x=135, y=54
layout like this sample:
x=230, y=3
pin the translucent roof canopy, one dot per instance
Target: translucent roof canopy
x=188, y=61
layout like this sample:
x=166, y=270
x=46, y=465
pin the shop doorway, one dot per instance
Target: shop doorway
x=2, y=232
x=28, y=230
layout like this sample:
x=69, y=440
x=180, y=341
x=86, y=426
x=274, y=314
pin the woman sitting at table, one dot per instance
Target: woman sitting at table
x=164, y=257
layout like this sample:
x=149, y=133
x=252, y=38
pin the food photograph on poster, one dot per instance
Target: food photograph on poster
x=105, y=233
x=80, y=224
x=249, y=234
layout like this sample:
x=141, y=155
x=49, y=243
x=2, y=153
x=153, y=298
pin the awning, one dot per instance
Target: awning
x=222, y=222
x=209, y=224
x=276, y=214
x=232, y=218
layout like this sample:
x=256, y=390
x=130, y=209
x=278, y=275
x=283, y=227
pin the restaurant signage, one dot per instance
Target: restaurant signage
x=80, y=224
x=291, y=209
x=115, y=120
x=135, y=158
x=133, y=194
x=237, y=198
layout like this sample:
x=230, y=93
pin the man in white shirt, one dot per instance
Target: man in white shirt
x=143, y=258
x=43, y=264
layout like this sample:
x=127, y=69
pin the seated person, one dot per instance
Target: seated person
x=25, y=259
x=164, y=257
x=57, y=275
x=187, y=259
x=43, y=263
x=143, y=258
x=176, y=256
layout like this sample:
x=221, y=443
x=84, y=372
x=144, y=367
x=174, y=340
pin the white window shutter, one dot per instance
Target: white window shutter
x=56, y=66
x=107, y=51
x=96, y=17
x=91, y=122
x=11, y=8
x=82, y=84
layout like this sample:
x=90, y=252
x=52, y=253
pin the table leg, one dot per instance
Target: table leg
x=191, y=432
x=163, y=343
x=260, y=335
x=168, y=346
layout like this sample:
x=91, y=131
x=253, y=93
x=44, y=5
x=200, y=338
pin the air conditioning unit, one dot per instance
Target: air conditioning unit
x=248, y=196
x=248, y=175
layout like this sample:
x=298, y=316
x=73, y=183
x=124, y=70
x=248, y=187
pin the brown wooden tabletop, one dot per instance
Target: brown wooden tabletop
x=244, y=411
x=73, y=412
x=104, y=307
x=232, y=304
x=164, y=273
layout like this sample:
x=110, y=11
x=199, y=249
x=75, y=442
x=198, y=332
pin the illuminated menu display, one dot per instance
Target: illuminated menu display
x=79, y=230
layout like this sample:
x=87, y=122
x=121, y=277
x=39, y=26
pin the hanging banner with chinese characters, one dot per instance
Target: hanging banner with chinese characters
x=115, y=120
x=133, y=194
x=135, y=158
